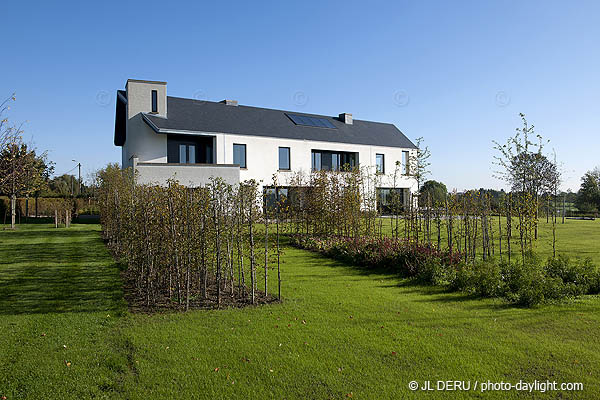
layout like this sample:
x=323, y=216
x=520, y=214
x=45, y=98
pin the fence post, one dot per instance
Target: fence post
x=56, y=218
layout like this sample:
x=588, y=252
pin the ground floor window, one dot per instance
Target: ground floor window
x=276, y=197
x=390, y=200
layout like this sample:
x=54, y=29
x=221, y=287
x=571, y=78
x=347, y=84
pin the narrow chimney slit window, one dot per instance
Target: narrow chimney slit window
x=154, y=101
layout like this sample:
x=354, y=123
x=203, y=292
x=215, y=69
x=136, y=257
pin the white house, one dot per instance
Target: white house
x=191, y=140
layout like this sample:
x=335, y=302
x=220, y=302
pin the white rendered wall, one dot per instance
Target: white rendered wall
x=190, y=175
x=262, y=158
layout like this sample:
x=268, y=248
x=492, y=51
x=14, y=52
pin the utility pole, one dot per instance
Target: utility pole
x=79, y=167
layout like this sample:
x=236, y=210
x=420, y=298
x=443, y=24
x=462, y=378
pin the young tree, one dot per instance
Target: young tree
x=527, y=170
x=418, y=163
x=22, y=171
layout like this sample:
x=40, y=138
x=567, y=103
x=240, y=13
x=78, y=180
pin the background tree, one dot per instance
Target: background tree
x=64, y=186
x=532, y=172
x=588, y=196
x=433, y=191
x=22, y=171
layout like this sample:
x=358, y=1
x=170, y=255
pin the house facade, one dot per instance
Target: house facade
x=190, y=140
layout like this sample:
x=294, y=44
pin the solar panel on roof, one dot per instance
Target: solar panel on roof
x=305, y=120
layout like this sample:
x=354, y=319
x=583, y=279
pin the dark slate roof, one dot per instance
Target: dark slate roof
x=207, y=116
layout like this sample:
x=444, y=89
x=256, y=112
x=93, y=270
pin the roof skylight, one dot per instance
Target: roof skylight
x=316, y=122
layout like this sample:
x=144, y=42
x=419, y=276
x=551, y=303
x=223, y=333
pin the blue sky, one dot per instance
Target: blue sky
x=456, y=73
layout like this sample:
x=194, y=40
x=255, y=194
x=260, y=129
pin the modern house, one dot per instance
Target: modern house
x=190, y=140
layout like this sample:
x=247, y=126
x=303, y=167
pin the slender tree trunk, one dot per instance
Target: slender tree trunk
x=266, y=248
x=217, y=223
x=252, y=265
x=278, y=260
x=13, y=210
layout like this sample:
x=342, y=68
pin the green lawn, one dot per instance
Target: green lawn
x=339, y=330
x=575, y=238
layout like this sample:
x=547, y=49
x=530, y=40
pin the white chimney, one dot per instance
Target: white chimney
x=346, y=118
x=230, y=102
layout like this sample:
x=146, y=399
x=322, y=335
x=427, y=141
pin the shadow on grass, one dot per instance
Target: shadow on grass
x=434, y=293
x=56, y=271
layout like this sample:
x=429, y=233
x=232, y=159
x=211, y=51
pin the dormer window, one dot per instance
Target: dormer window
x=154, y=101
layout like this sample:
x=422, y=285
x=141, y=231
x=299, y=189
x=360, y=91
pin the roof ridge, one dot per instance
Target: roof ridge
x=276, y=109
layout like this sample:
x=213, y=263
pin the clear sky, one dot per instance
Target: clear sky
x=454, y=72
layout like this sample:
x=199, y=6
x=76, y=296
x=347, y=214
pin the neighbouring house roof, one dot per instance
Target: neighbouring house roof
x=190, y=115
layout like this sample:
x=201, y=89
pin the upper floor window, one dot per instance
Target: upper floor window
x=380, y=163
x=333, y=160
x=284, y=158
x=390, y=200
x=189, y=149
x=239, y=155
x=405, y=163
x=154, y=101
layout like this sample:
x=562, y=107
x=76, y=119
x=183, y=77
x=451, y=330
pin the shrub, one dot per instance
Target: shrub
x=407, y=259
x=557, y=280
x=525, y=284
x=487, y=280
x=580, y=276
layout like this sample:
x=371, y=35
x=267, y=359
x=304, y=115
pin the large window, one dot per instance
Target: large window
x=154, y=101
x=380, y=163
x=187, y=154
x=322, y=160
x=276, y=198
x=189, y=149
x=406, y=163
x=390, y=200
x=239, y=155
x=284, y=158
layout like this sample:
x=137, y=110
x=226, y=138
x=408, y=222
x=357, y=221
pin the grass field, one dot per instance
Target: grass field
x=339, y=331
x=575, y=238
